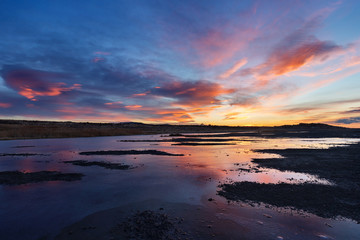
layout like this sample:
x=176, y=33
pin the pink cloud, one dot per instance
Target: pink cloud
x=217, y=46
x=114, y=103
x=98, y=59
x=5, y=105
x=102, y=53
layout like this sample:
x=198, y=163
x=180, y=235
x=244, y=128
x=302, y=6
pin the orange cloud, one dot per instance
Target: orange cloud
x=133, y=107
x=171, y=115
x=32, y=83
x=289, y=57
x=293, y=59
x=54, y=90
x=231, y=116
x=141, y=94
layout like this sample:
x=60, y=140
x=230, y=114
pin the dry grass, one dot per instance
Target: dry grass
x=18, y=131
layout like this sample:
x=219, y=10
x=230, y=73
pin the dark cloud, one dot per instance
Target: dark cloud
x=354, y=110
x=348, y=120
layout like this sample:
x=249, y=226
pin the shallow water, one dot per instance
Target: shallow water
x=42, y=209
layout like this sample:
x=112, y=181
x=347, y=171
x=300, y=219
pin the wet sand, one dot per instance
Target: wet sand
x=177, y=221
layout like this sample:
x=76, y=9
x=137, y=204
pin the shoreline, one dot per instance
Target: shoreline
x=22, y=130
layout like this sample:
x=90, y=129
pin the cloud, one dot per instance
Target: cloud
x=133, y=107
x=245, y=100
x=288, y=59
x=33, y=83
x=354, y=110
x=234, y=68
x=348, y=120
x=293, y=52
x=5, y=105
x=169, y=115
x=192, y=94
x=231, y=116
x=218, y=46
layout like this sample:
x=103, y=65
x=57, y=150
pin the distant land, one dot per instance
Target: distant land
x=25, y=129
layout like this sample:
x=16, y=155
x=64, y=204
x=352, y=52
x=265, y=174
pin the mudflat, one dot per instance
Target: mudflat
x=339, y=165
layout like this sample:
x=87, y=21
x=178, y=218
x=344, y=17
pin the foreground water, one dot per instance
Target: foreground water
x=41, y=210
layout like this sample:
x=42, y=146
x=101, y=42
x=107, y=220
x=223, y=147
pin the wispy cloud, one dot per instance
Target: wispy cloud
x=234, y=68
x=231, y=116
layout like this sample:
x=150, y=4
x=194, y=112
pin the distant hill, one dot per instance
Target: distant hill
x=24, y=129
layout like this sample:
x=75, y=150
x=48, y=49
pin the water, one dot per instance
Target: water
x=35, y=210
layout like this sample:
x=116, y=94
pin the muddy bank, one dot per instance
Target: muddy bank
x=152, y=220
x=130, y=152
x=17, y=177
x=340, y=165
x=107, y=165
x=323, y=200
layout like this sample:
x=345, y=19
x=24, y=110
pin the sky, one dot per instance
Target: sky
x=238, y=63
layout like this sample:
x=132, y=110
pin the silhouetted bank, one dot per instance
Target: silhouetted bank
x=20, y=129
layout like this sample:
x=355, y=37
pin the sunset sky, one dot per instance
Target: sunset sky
x=212, y=62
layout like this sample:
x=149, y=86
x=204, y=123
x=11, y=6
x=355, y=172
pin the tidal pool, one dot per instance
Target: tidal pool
x=41, y=210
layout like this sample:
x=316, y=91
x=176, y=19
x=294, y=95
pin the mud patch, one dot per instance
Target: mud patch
x=17, y=177
x=151, y=225
x=130, y=152
x=107, y=165
x=340, y=165
x=155, y=219
x=201, y=144
x=322, y=200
